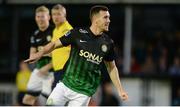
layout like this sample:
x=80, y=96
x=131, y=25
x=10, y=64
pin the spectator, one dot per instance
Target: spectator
x=118, y=60
x=22, y=78
x=135, y=67
x=176, y=101
x=108, y=98
x=162, y=65
x=149, y=66
x=96, y=98
x=175, y=68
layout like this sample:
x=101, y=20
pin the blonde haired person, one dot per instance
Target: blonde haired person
x=41, y=79
x=60, y=55
x=22, y=78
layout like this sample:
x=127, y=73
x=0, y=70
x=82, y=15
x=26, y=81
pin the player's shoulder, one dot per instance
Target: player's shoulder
x=36, y=32
x=77, y=31
x=67, y=25
x=34, y=36
x=108, y=38
x=66, y=29
x=81, y=30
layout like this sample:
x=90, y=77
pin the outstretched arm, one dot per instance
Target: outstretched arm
x=114, y=75
x=46, y=49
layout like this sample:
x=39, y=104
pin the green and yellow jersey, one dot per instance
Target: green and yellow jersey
x=82, y=70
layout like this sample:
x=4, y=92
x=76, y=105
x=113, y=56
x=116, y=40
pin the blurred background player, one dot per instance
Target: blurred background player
x=60, y=55
x=109, y=99
x=41, y=79
x=22, y=78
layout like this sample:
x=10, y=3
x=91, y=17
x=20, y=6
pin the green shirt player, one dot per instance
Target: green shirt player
x=41, y=79
x=90, y=47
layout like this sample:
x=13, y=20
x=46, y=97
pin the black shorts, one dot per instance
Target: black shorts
x=58, y=75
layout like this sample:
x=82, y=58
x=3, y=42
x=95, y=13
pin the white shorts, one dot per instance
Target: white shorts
x=40, y=85
x=62, y=95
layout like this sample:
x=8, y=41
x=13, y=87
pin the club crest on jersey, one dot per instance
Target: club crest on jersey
x=104, y=48
x=48, y=38
x=82, y=31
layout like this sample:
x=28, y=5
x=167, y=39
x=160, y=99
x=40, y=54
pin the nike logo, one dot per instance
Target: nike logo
x=82, y=41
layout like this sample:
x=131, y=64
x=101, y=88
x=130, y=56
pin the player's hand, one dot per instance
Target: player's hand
x=124, y=96
x=30, y=60
x=34, y=58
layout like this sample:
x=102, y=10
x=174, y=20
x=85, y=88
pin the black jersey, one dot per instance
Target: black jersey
x=82, y=70
x=40, y=39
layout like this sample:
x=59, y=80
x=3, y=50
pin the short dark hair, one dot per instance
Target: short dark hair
x=96, y=9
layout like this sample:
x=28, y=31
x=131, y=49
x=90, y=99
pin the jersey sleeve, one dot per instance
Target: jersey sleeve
x=110, y=56
x=32, y=41
x=68, y=38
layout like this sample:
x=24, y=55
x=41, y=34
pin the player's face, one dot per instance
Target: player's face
x=58, y=16
x=42, y=19
x=103, y=20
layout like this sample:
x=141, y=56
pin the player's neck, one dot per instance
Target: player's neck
x=43, y=28
x=60, y=24
x=95, y=30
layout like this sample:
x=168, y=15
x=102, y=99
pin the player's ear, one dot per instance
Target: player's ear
x=94, y=18
x=97, y=19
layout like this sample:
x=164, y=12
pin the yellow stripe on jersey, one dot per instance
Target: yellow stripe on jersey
x=60, y=55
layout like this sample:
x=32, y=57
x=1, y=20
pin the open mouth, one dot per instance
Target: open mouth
x=107, y=25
